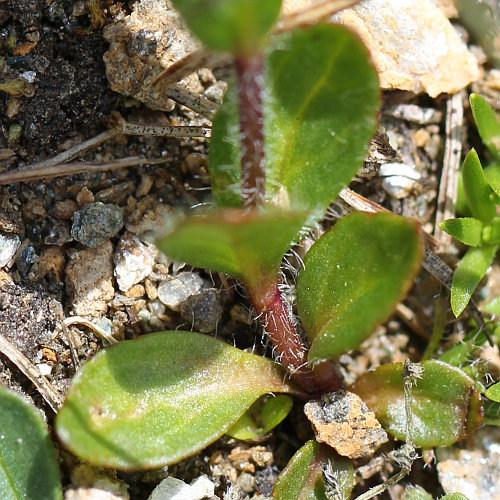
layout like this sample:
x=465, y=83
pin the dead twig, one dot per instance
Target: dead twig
x=447, y=196
x=44, y=387
x=33, y=174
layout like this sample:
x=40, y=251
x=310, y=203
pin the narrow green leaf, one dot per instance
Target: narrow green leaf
x=28, y=464
x=265, y=414
x=493, y=306
x=161, y=398
x=417, y=493
x=493, y=392
x=491, y=413
x=446, y=408
x=353, y=277
x=315, y=81
x=238, y=26
x=492, y=174
x=302, y=478
x=486, y=123
x=246, y=245
x=480, y=196
x=465, y=229
x=454, y=496
x=460, y=353
x=468, y=274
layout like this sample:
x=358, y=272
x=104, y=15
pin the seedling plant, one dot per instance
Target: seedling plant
x=292, y=132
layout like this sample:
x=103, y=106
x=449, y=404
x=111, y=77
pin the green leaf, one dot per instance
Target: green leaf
x=353, y=277
x=446, y=408
x=461, y=352
x=246, y=245
x=468, y=274
x=316, y=80
x=491, y=413
x=486, y=123
x=28, y=463
x=491, y=232
x=493, y=392
x=479, y=195
x=263, y=416
x=303, y=476
x=465, y=229
x=492, y=174
x=417, y=493
x=454, y=496
x=238, y=26
x=161, y=398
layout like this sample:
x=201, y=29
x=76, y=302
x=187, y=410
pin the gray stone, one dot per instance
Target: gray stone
x=203, y=310
x=175, y=291
x=172, y=488
x=9, y=243
x=133, y=261
x=96, y=223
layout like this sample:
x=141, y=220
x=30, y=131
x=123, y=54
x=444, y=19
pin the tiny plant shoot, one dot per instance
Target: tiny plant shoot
x=291, y=133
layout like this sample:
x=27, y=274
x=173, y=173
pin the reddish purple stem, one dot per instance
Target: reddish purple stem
x=289, y=348
x=253, y=168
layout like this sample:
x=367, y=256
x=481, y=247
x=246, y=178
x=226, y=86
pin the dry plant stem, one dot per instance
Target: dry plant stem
x=48, y=172
x=447, y=196
x=288, y=346
x=51, y=396
x=253, y=173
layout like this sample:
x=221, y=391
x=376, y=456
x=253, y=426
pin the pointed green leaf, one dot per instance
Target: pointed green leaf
x=302, y=478
x=263, y=416
x=454, y=496
x=246, y=245
x=493, y=392
x=447, y=407
x=468, y=274
x=479, y=195
x=461, y=353
x=465, y=229
x=315, y=81
x=491, y=413
x=492, y=174
x=161, y=398
x=238, y=26
x=28, y=464
x=353, y=277
x=486, y=123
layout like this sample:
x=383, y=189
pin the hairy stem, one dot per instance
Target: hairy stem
x=288, y=345
x=253, y=173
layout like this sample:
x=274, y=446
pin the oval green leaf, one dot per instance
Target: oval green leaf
x=353, y=277
x=493, y=392
x=469, y=272
x=161, y=398
x=465, y=229
x=303, y=476
x=238, y=26
x=479, y=194
x=245, y=245
x=446, y=405
x=319, y=114
x=486, y=123
x=320, y=103
x=28, y=463
x=263, y=416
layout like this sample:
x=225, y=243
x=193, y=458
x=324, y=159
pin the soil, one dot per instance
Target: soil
x=69, y=101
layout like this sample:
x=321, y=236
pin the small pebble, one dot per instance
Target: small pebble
x=84, y=196
x=44, y=369
x=203, y=310
x=246, y=482
x=9, y=243
x=172, y=488
x=91, y=494
x=26, y=260
x=96, y=223
x=175, y=291
x=133, y=261
x=65, y=209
